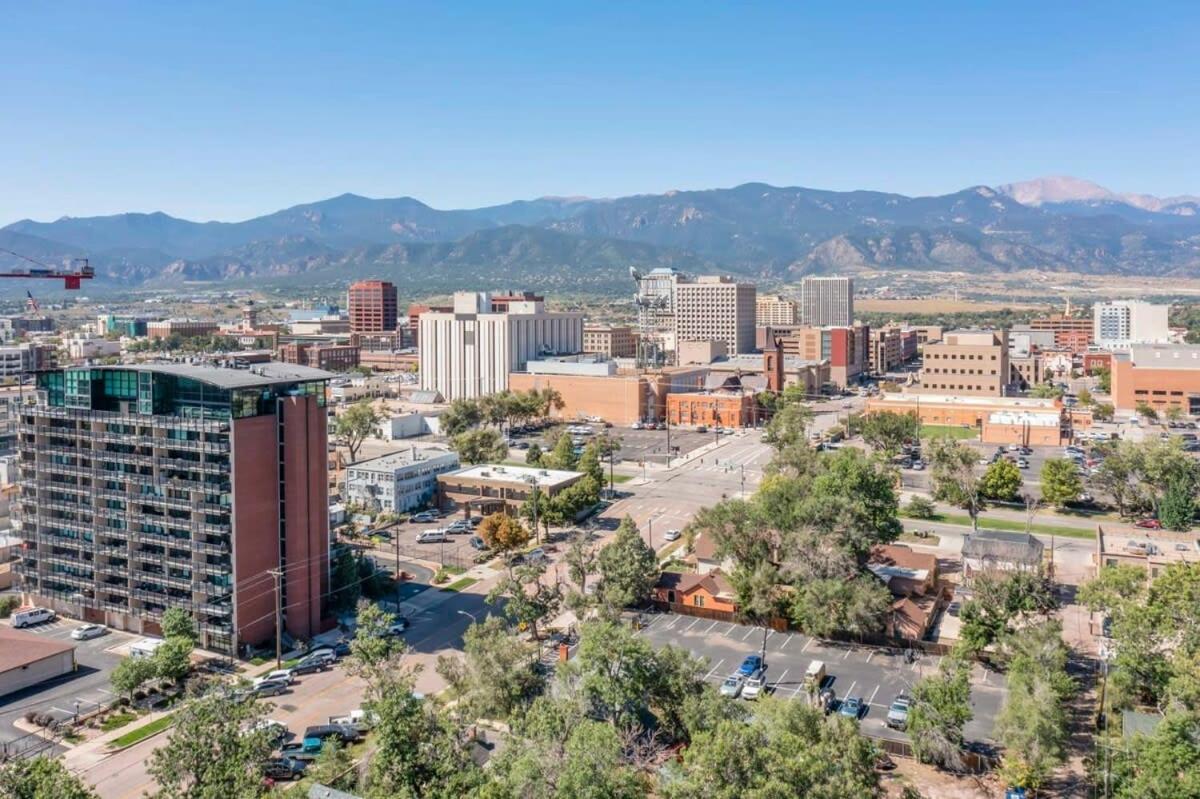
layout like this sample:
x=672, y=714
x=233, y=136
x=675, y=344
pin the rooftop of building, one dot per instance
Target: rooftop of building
x=259, y=374
x=753, y=362
x=516, y=475
x=401, y=458
x=1162, y=545
x=1162, y=356
x=19, y=649
x=1008, y=403
x=1003, y=546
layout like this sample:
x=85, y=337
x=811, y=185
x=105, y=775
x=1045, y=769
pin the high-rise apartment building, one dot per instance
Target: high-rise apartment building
x=1124, y=322
x=470, y=350
x=156, y=486
x=716, y=308
x=774, y=310
x=372, y=306
x=968, y=362
x=827, y=301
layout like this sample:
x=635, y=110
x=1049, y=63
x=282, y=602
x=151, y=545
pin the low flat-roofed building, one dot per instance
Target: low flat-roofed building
x=1152, y=550
x=1000, y=420
x=713, y=409
x=610, y=341
x=491, y=488
x=1161, y=375
x=621, y=399
x=399, y=481
x=999, y=550
x=27, y=659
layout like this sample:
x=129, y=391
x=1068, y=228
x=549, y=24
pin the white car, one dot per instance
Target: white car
x=754, y=686
x=30, y=616
x=88, y=631
x=283, y=675
x=437, y=536
x=424, y=517
x=671, y=535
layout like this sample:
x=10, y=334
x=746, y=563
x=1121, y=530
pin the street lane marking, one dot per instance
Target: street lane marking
x=714, y=668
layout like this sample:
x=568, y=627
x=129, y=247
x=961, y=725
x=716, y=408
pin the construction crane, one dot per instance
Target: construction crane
x=79, y=270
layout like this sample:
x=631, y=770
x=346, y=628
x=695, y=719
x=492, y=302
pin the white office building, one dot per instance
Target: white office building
x=400, y=481
x=716, y=308
x=775, y=311
x=470, y=351
x=827, y=301
x=1121, y=323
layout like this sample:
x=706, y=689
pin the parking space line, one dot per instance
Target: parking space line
x=674, y=621
x=806, y=643
x=848, y=651
x=851, y=691
x=709, y=628
x=714, y=668
x=872, y=699
x=730, y=630
x=786, y=640
x=748, y=633
x=870, y=655
x=780, y=680
x=693, y=624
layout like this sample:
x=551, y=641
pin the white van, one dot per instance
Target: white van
x=144, y=648
x=27, y=618
x=432, y=537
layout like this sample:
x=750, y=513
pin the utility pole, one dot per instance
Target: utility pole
x=668, y=418
x=278, y=575
x=396, y=576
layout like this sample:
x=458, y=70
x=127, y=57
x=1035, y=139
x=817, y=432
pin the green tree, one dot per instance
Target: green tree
x=1146, y=411
x=582, y=559
x=172, y=660
x=1162, y=765
x=756, y=594
x=373, y=648
x=1001, y=481
x=461, y=416
x=334, y=766
x=941, y=708
x=887, y=431
x=479, y=446
x=1119, y=476
x=1111, y=587
x=589, y=462
x=1178, y=508
x=533, y=455
x=1061, y=483
x=788, y=427
x=1104, y=380
x=825, y=606
x=563, y=455
x=1085, y=397
x=209, y=754
x=131, y=674
x=41, y=778
x=496, y=677
x=1046, y=391
x=954, y=477
x=355, y=425
x=345, y=586
x=178, y=623
x=526, y=599
x=628, y=567
x=919, y=507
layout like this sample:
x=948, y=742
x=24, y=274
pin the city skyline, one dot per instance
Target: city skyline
x=252, y=111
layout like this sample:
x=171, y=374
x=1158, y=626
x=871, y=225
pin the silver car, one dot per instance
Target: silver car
x=88, y=631
x=732, y=686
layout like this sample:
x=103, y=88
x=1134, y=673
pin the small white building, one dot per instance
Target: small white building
x=82, y=347
x=400, y=481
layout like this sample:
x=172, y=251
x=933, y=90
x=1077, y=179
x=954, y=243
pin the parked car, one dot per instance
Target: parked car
x=477, y=543
x=276, y=731
x=537, y=555
x=285, y=768
x=458, y=527
x=269, y=688
x=897, y=715
x=751, y=665
x=87, y=632
x=335, y=651
x=732, y=687
x=31, y=616
x=424, y=517
x=754, y=686
x=313, y=662
x=851, y=707
x=398, y=627
x=437, y=536
x=1148, y=524
x=1022, y=463
x=348, y=733
x=702, y=428
x=918, y=466
x=671, y=535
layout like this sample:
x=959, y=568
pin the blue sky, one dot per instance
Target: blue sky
x=226, y=111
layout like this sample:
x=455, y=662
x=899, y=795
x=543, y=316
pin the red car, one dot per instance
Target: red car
x=1148, y=524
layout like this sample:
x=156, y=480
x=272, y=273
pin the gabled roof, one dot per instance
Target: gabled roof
x=1002, y=546
x=714, y=583
x=20, y=649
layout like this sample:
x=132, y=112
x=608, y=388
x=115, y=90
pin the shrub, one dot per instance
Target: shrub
x=31, y=717
x=920, y=508
x=8, y=604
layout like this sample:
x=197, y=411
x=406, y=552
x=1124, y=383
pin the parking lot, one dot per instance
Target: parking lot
x=636, y=445
x=870, y=673
x=88, y=685
x=1030, y=476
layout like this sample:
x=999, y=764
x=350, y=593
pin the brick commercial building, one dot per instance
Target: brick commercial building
x=157, y=486
x=1162, y=376
x=716, y=308
x=619, y=399
x=886, y=350
x=611, y=341
x=1072, y=333
x=330, y=357
x=846, y=349
x=1095, y=360
x=968, y=362
x=491, y=488
x=372, y=306
x=713, y=409
x=998, y=420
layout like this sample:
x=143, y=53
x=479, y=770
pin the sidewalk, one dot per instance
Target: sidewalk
x=89, y=753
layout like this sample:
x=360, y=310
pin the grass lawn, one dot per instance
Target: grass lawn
x=452, y=569
x=676, y=567
x=1010, y=525
x=141, y=733
x=948, y=431
x=116, y=721
x=459, y=585
x=928, y=540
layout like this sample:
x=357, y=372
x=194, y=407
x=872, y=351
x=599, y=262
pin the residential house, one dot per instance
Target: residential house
x=912, y=578
x=990, y=550
x=712, y=590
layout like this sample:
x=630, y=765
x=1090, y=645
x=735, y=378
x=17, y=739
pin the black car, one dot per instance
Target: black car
x=285, y=768
x=313, y=663
x=347, y=733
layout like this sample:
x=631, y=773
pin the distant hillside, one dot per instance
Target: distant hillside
x=1055, y=224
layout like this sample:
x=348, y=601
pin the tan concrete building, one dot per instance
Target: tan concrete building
x=845, y=349
x=997, y=420
x=698, y=353
x=968, y=362
x=716, y=307
x=27, y=659
x=1028, y=370
x=886, y=351
x=1152, y=550
x=492, y=488
x=187, y=328
x=611, y=341
x=620, y=399
x=1161, y=375
x=772, y=309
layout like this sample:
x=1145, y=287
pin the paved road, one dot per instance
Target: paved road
x=875, y=675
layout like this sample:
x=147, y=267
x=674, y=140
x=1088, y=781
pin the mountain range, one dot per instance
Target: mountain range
x=756, y=230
